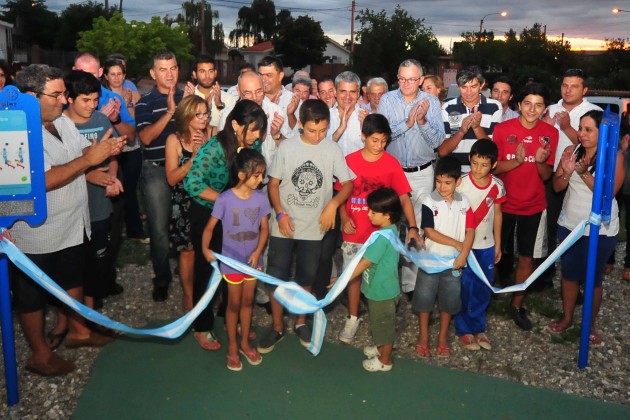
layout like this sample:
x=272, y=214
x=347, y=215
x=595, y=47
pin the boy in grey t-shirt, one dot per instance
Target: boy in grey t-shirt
x=301, y=194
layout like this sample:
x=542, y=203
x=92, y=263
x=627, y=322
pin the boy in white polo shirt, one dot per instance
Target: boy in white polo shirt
x=447, y=221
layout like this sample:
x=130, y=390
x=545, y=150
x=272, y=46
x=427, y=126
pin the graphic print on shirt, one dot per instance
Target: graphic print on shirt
x=307, y=179
x=244, y=235
x=358, y=199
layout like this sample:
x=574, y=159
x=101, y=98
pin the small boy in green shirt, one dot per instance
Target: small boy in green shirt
x=380, y=284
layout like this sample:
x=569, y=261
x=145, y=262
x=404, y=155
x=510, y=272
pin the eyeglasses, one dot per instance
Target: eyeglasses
x=202, y=115
x=402, y=80
x=57, y=95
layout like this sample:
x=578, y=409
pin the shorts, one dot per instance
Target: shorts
x=382, y=319
x=531, y=234
x=574, y=260
x=280, y=258
x=349, y=250
x=444, y=286
x=237, y=278
x=65, y=267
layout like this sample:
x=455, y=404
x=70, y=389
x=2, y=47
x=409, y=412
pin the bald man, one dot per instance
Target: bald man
x=109, y=103
x=250, y=86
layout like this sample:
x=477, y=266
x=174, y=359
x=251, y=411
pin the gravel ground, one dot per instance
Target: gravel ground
x=533, y=358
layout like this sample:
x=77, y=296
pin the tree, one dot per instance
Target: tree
x=257, y=23
x=384, y=42
x=138, y=41
x=191, y=18
x=76, y=18
x=300, y=42
x=34, y=23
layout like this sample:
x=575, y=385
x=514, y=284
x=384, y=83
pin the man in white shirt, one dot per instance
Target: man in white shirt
x=502, y=92
x=270, y=69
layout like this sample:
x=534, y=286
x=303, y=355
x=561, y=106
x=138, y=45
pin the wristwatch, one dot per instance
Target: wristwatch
x=221, y=107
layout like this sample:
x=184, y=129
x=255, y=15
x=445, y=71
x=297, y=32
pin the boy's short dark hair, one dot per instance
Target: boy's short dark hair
x=79, y=82
x=485, y=148
x=534, y=89
x=376, y=123
x=314, y=110
x=448, y=166
x=385, y=200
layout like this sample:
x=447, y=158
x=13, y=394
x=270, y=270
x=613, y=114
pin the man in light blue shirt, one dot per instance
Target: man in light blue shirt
x=415, y=118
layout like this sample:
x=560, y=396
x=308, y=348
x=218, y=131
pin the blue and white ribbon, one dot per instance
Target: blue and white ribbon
x=292, y=296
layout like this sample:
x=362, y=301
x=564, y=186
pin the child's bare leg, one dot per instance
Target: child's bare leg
x=386, y=353
x=354, y=296
x=524, y=269
x=235, y=292
x=276, y=314
x=423, y=318
x=247, y=300
x=445, y=320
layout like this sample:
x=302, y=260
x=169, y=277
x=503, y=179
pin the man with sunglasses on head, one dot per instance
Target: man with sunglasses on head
x=415, y=118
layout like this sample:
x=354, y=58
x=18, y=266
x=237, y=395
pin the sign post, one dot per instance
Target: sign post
x=22, y=197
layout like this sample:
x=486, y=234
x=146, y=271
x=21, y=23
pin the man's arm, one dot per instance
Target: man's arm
x=62, y=175
x=148, y=132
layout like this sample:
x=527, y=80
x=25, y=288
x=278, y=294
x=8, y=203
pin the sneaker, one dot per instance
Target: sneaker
x=349, y=330
x=371, y=351
x=304, y=333
x=519, y=316
x=482, y=340
x=269, y=341
x=375, y=365
x=469, y=342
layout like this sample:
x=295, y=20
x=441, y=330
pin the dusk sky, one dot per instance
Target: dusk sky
x=584, y=23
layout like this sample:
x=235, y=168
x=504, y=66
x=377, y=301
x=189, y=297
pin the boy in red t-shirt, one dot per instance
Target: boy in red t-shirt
x=374, y=169
x=527, y=147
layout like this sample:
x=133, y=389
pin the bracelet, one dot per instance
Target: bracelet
x=563, y=177
x=414, y=227
x=281, y=215
x=170, y=113
x=585, y=175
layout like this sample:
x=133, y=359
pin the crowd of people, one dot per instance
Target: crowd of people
x=281, y=177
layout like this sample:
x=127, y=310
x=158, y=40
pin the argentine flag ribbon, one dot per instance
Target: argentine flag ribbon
x=293, y=297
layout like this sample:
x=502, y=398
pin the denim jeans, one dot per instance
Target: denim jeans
x=131, y=165
x=157, y=197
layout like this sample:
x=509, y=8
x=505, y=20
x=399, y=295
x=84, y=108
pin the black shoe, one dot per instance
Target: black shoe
x=115, y=290
x=519, y=316
x=160, y=293
x=409, y=295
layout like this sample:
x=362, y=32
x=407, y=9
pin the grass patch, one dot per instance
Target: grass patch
x=133, y=252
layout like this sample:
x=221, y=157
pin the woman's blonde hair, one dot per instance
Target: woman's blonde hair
x=184, y=114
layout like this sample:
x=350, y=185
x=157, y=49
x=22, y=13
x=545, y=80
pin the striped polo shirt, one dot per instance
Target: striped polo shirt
x=453, y=113
x=148, y=110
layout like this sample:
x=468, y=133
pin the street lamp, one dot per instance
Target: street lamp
x=615, y=10
x=503, y=14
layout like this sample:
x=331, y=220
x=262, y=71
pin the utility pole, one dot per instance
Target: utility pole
x=354, y=5
x=203, y=26
x=106, y=4
x=120, y=7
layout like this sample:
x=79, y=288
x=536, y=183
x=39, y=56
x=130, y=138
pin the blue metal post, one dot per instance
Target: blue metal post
x=8, y=343
x=592, y=244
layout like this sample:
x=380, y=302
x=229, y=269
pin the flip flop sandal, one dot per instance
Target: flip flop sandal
x=423, y=351
x=234, y=363
x=595, y=340
x=211, y=345
x=555, y=327
x=443, y=351
x=253, y=357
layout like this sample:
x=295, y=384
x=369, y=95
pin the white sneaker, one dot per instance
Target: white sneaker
x=371, y=351
x=375, y=365
x=349, y=330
